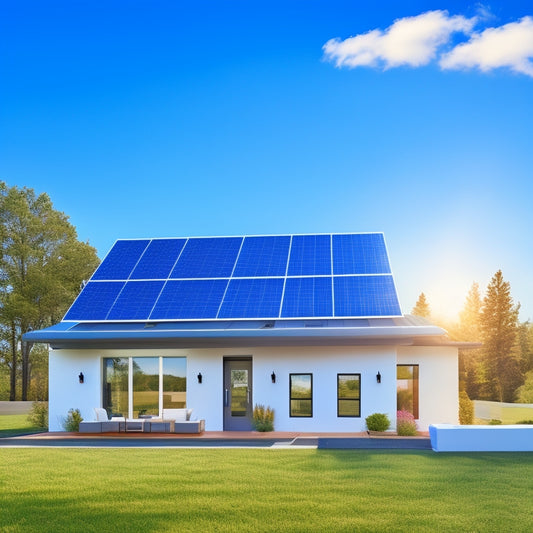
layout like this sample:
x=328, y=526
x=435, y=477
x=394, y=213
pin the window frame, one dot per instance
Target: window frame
x=310, y=398
x=357, y=401
x=415, y=387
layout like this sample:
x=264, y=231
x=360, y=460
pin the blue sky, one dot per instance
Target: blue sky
x=167, y=119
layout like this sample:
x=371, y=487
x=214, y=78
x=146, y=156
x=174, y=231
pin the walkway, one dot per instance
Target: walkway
x=221, y=439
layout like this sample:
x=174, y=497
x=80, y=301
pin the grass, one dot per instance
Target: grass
x=230, y=490
x=11, y=425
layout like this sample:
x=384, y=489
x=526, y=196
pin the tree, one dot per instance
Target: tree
x=421, y=307
x=499, y=327
x=524, y=394
x=469, y=330
x=42, y=265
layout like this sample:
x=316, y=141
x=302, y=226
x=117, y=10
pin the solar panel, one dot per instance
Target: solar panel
x=238, y=278
x=360, y=253
x=121, y=260
x=189, y=299
x=158, y=259
x=208, y=258
x=252, y=298
x=136, y=300
x=310, y=255
x=263, y=256
x=307, y=297
x=95, y=300
x=365, y=296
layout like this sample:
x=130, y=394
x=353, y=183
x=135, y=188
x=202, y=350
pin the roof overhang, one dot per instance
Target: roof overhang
x=399, y=331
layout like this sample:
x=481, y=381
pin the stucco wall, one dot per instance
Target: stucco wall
x=438, y=382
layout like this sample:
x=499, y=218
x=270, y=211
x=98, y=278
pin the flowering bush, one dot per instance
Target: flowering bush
x=405, y=424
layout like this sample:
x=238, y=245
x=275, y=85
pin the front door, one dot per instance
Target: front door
x=237, y=394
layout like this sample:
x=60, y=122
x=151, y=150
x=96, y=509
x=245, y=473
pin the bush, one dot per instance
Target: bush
x=377, y=422
x=495, y=422
x=525, y=422
x=38, y=415
x=466, y=409
x=72, y=420
x=263, y=418
x=405, y=424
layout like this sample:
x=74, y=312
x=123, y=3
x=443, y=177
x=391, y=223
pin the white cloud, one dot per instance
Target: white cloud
x=509, y=46
x=409, y=41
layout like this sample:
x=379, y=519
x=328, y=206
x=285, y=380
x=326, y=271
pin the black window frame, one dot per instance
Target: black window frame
x=300, y=398
x=355, y=400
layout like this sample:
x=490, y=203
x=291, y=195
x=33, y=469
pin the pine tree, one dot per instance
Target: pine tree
x=469, y=330
x=422, y=307
x=499, y=327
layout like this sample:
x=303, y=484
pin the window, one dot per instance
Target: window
x=407, y=388
x=135, y=386
x=116, y=400
x=301, y=395
x=348, y=395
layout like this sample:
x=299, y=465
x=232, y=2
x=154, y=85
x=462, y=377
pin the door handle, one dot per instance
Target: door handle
x=226, y=397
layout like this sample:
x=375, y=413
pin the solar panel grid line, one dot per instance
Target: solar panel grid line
x=232, y=272
x=332, y=273
x=166, y=281
x=285, y=280
x=124, y=286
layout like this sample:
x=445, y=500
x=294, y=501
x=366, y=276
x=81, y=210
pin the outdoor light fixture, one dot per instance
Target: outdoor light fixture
x=378, y=377
x=273, y=377
x=199, y=377
x=81, y=377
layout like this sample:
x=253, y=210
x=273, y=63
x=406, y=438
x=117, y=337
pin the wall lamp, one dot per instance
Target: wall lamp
x=81, y=377
x=273, y=377
x=378, y=377
x=199, y=376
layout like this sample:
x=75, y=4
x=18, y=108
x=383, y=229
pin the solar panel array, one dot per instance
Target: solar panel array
x=254, y=277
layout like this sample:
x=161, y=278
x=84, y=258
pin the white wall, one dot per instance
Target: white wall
x=438, y=382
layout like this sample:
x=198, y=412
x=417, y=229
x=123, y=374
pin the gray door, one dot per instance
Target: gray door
x=237, y=394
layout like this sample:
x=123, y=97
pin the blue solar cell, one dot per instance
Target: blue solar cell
x=158, y=259
x=190, y=299
x=263, y=256
x=252, y=298
x=365, y=296
x=121, y=260
x=136, y=300
x=307, y=297
x=310, y=255
x=208, y=258
x=362, y=253
x=95, y=300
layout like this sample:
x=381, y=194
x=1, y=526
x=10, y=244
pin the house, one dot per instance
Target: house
x=309, y=325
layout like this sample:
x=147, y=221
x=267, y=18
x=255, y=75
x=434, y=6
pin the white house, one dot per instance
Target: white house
x=309, y=325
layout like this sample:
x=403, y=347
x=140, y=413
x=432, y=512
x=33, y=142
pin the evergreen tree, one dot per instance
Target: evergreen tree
x=421, y=307
x=469, y=330
x=42, y=265
x=499, y=327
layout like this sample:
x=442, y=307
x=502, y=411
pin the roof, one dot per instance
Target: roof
x=407, y=331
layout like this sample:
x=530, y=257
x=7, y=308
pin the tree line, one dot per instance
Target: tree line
x=501, y=369
x=42, y=266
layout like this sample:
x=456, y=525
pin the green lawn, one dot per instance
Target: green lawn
x=158, y=490
x=16, y=425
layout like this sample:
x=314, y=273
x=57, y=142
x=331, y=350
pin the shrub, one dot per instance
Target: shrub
x=525, y=422
x=466, y=409
x=377, y=422
x=72, y=421
x=263, y=418
x=405, y=424
x=38, y=415
x=495, y=422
